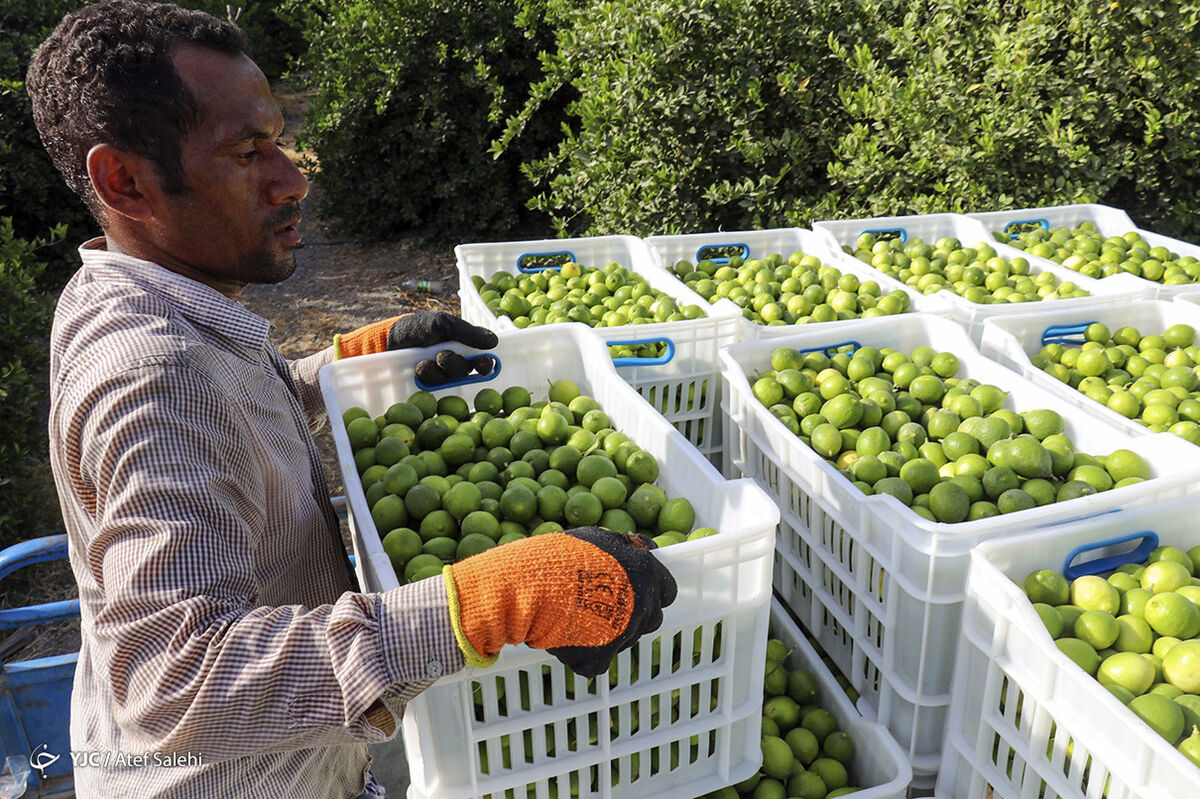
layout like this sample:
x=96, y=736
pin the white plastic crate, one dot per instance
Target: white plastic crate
x=694, y=247
x=971, y=233
x=1192, y=297
x=686, y=389
x=879, y=587
x=724, y=585
x=879, y=768
x=1109, y=222
x=1012, y=340
x=1025, y=720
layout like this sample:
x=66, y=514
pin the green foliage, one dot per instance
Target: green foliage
x=988, y=104
x=743, y=113
x=688, y=118
x=276, y=38
x=31, y=191
x=24, y=320
x=410, y=95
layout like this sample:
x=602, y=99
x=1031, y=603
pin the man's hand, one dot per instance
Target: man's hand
x=423, y=329
x=583, y=595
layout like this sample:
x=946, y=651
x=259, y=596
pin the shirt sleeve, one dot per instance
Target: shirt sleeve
x=305, y=373
x=193, y=661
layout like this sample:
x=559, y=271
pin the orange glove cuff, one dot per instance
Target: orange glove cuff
x=364, y=341
x=548, y=591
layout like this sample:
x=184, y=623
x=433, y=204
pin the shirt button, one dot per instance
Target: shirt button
x=434, y=668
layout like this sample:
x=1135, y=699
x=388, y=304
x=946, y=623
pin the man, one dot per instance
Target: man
x=222, y=631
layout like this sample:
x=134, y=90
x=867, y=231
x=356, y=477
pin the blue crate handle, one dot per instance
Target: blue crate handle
x=465, y=381
x=1065, y=334
x=832, y=347
x=721, y=259
x=1148, y=538
x=636, y=361
x=529, y=270
x=26, y=553
x=1045, y=223
x=903, y=233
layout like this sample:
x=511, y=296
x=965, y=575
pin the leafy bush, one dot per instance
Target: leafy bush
x=31, y=191
x=276, y=38
x=410, y=95
x=24, y=314
x=688, y=118
x=987, y=104
x=741, y=113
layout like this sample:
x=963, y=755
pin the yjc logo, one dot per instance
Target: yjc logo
x=42, y=760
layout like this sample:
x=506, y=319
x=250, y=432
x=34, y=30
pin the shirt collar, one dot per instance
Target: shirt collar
x=196, y=301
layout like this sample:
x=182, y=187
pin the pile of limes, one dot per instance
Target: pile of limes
x=1135, y=631
x=805, y=755
x=608, y=297
x=944, y=446
x=444, y=483
x=977, y=273
x=772, y=291
x=1153, y=379
x=1089, y=253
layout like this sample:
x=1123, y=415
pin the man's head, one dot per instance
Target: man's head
x=158, y=119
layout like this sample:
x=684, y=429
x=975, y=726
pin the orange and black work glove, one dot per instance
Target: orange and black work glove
x=423, y=329
x=583, y=595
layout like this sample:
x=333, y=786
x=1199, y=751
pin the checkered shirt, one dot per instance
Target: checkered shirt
x=222, y=633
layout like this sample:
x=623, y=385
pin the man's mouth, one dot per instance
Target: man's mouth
x=289, y=233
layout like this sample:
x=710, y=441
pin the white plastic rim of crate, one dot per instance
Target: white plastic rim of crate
x=1191, y=297
x=924, y=562
x=970, y=232
x=1109, y=222
x=879, y=767
x=1003, y=639
x=722, y=577
x=1012, y=340
x=668, y=250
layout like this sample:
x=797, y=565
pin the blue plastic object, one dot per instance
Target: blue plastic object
x=1065, y=334
x=564, y=255
x=35, y=695
x=1044, y=223
x=721, y=259
x=466, y=381
x=633, y=360
x=897, y=230
x=834, y=347
x=1148, y=541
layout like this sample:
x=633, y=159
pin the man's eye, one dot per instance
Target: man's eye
x=246, y=156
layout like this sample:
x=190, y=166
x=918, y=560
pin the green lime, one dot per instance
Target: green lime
x=583, y=509
x=676, y=514
x=425, y=402
x=352, y=413
x=389, y=513
x=1047, y=586
x=473, y=544
x=1164, y=716
x=402, y=545
x=618, y=520
x=362, y=432
x=1097, y=627
x=591, y=468
x=421, y=500
x=642, y=467
x=563, y=390
x=1081, y=652
x=480, y=522
x=610, y=491
x=514, y=397
x=441, y=547
x=462, y=499
x=421, y=562
x=948, y=502
x=489, y=401
x=453, y=405
x=437, y=524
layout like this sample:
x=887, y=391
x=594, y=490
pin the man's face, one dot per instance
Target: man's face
x=235, y=223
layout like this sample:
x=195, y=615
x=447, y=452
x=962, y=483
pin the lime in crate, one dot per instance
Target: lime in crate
x=808, y=721
x=956, y=261
x=879, y=585
x=615, y=287
x=724, y=266
x=1133, y=350
x=1101, y=242
x=1026, y=719
x=679, y=713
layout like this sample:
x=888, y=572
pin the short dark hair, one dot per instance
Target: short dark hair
x=104, y=76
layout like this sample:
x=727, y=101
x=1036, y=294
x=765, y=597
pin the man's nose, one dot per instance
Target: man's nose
x=288, y=182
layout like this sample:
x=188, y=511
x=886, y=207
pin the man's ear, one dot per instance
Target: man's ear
x=125, y=183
